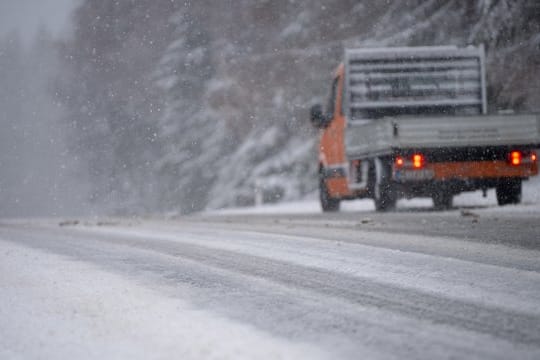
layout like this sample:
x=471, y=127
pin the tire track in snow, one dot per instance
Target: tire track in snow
x=512, y=326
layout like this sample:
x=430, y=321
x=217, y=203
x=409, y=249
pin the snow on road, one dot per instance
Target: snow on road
x=485, y=284
x=300, y=286
x=55, y=308
x=531, y=203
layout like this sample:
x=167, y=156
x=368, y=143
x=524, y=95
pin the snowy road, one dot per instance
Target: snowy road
x=421, y=284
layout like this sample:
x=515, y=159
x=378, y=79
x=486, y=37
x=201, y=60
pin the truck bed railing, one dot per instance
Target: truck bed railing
x=413, y=80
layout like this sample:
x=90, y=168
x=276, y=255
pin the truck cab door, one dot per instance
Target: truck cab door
x=332, y=146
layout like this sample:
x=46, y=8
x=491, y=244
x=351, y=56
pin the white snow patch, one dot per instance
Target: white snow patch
x=310, y=205
x=55, y=308
x=492, y=285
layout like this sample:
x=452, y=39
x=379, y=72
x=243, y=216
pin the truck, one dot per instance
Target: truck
x=413, y=122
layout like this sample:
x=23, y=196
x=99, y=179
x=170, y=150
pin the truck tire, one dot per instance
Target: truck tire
x=328, y=204
x=384, y=190
x=442, y=200
x=508, y=191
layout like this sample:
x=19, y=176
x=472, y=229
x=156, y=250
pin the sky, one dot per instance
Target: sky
x=26, y=16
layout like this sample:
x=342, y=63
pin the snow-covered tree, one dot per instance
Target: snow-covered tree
x=112, y=106
x=169, y=100
x=191, y=133
x=11, y=113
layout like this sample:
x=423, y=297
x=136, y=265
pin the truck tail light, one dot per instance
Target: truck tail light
x=399, y=161
x=418, y=161
x=533, y=157
x=415, y=161
x=515, y=158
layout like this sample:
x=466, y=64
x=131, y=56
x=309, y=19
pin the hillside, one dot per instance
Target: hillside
x=203, y=105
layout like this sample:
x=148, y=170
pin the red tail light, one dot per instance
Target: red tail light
x=418, y=161
x=533, y=157
x=399, y=162
x=415, y=161
x=515, y=158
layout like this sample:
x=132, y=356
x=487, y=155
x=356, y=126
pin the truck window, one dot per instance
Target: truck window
x=332, y=100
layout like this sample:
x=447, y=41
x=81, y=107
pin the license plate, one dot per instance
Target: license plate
x=414, y=175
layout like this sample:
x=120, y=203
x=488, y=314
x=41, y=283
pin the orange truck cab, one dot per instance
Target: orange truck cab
x=408, y=122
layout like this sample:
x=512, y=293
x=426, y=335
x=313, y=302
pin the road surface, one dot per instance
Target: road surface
x=411, y=284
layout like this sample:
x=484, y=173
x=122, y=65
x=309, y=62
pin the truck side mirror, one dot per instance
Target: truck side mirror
x=317, y=117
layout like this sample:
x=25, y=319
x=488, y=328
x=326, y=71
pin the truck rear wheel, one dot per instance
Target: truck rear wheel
x=384, y=191
x=328, y=203
x=508, y=191
x=442, y=200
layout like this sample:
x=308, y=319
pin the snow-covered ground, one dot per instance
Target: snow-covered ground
x=287, y=283
x=530, y=203
x=55, y=308
x=228, y=288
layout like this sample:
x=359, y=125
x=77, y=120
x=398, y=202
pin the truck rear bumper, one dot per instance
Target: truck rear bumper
x=466, y=170
x=482, y=170
x=456, y=177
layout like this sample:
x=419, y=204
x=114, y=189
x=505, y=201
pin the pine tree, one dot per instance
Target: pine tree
x=11, y=113
x=193, y=136
x=112, y=105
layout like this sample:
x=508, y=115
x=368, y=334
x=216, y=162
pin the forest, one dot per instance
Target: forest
x=174, y=107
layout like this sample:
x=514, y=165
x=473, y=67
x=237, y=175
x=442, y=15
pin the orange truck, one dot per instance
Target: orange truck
x=413, y=122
